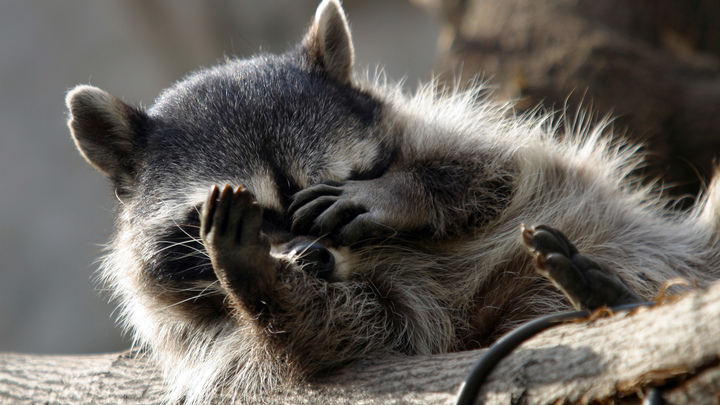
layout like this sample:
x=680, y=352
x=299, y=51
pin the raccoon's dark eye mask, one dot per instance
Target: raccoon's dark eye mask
x=276, y=225
x=184, y=253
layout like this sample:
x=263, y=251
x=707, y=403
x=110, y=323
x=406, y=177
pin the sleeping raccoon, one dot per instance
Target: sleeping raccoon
x=280, y=217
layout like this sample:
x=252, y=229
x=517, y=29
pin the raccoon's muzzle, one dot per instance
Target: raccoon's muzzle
x=315, y=259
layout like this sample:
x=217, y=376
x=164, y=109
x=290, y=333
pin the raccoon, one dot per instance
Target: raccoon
x=280, y=217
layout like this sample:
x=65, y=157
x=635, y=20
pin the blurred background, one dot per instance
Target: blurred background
x=55, y=210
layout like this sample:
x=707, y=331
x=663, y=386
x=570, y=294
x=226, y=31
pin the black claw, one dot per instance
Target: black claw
x=330, y=210
x=238, y=208
x=222, y=210
x=305, y=217
x=545, y=239
x=208, y=210
x=303, y=197
x=336, y=217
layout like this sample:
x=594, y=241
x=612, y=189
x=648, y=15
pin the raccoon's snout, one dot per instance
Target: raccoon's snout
x=315, y=258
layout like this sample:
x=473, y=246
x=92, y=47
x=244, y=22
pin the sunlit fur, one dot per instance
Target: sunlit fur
x=578, y=181
x=460, y=286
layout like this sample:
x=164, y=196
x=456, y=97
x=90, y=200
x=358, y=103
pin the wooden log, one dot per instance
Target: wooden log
x=675, y=345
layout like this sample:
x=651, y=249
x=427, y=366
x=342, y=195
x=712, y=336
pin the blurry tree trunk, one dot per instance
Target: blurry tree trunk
x=653, y=64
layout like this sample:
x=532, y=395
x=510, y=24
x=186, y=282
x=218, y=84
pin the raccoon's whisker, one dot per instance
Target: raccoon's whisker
x=181, y=226
x=209, y=285
x=201, y=294
x=185, y=243
x=309, y=245
x=175, y=304
x=194, y=254
x=302, y=252
x=117, y=197
x=325, y=235
x=200, y=266
x=172, y=244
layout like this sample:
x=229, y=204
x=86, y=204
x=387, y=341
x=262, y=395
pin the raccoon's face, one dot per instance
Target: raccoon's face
x=268, y=124
x=172, y=239
x=273, y=124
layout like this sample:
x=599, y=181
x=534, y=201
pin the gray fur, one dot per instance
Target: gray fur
x=419, y=198
x=329, y=38
x=104, y=129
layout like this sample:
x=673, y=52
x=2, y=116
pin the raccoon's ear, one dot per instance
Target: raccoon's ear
x=328, y=43
x=108, y=133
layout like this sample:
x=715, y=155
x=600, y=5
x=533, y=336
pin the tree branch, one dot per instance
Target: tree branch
x=675, y=345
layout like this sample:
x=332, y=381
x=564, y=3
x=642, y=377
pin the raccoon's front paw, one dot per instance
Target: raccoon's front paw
x=230, y=226
x=587, y=283
x=336, y=210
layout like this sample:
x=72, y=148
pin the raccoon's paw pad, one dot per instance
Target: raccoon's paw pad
x=586, y=283
x=230, y=228
x=321, y=210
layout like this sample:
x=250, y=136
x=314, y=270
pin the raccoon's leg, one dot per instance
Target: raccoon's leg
x=587, y=283
x=429, y=197
x=398, y=202
x=239, y=251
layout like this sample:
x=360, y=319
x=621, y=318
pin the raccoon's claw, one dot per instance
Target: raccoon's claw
x=323, y=216
x=586, y=283
x=230, y=228
x=321, y=211
x=542, y=238
x=336, y=218
x=306, y=196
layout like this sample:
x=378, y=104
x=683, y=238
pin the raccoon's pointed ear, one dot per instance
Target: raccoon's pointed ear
x=328, y=43
x=108, y=133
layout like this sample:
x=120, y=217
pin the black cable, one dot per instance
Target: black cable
x=654, y=397
x=506, y=344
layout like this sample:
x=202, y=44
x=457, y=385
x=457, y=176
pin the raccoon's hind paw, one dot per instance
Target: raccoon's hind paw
x=329, y=210
x=230, y=228
x=587, y=283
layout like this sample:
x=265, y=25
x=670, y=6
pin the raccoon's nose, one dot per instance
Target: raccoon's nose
x=316, y=259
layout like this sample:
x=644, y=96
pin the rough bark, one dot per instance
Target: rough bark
x=653, y=64
x=675, y=345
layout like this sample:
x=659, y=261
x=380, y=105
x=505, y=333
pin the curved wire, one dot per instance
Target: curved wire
x=470, y=388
